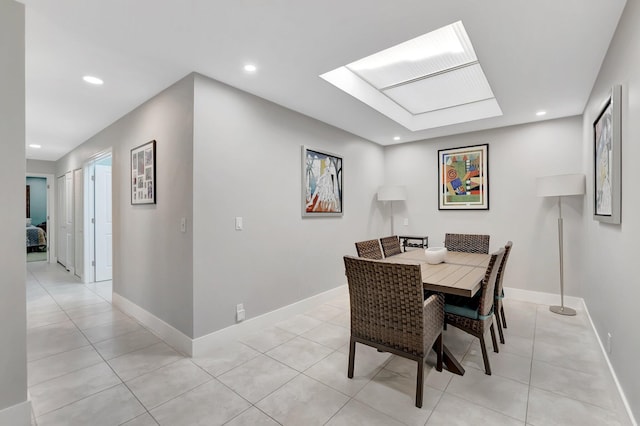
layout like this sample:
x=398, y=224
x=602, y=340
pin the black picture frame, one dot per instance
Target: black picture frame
x=143, y=174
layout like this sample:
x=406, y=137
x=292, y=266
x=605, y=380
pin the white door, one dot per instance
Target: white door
x=79, y=223
x=103, y=219
x=61, y=247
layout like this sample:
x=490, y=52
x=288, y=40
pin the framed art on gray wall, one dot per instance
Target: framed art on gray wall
x=606, y=160
x=463, y=178
x=321, y=183
x=143, y=174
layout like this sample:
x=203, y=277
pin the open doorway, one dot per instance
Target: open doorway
x=38, y=221
x=99, y=228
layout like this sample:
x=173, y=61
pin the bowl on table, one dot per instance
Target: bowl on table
x=435, y=255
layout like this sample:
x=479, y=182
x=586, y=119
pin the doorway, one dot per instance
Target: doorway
x=99, y=228
x=37, y=218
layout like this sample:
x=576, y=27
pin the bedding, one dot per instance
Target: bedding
x=36, y=238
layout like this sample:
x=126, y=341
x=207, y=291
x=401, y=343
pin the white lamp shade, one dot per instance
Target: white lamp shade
x=392, y=193
x=560, y=185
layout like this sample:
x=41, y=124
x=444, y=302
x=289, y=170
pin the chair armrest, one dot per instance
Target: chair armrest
x=433, y=317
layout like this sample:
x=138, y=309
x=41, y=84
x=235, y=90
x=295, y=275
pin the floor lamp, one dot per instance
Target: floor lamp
x=561, y=186
x=392, y=193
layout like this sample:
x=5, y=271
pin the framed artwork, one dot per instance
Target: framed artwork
x=143, y=174
x=321, y=183
x=606, y=160
x=463, y=178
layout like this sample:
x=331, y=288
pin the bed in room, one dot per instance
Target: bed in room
x=36, y=238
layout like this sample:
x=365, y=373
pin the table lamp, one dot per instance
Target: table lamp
x=392, y=193
x=561, y=186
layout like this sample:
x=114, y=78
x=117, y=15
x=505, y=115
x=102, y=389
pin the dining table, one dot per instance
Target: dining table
x=460, y=273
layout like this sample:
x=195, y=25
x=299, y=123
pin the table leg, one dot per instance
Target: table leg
x=451, y=362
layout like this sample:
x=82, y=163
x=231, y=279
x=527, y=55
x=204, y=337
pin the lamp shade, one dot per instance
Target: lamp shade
x=392, y=193
x=560, y=185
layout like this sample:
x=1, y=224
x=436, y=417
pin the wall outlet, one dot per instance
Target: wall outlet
x=240, y=312
x=405, y=222
x=183, y=224
x=609, y=337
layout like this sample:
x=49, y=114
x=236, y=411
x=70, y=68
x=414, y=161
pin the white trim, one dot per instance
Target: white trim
x=613, y=372
x=542, y=298
x=202, y=344
x=172, y=336
x=19, y=414
x=578, y=304
x=199, y=346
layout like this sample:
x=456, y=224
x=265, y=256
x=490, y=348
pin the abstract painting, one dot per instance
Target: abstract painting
x=321, y=183
x=606, y=160
x=463, y=178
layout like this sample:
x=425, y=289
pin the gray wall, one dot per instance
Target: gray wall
x=152, y=259
x=247, y=162
x=610, y=279
x=13, y=326
x=41, y=167
x=517, y=156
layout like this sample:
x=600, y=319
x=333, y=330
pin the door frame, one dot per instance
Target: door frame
x=88, y=176
x=51, y=222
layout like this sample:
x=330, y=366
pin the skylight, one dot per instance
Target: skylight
x=430, y=81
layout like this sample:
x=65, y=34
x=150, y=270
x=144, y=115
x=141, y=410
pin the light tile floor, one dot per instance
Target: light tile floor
x=90, y=364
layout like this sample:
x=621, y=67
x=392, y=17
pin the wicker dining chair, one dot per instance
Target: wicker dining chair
x=390, y=245
x=369, y=249
x=470, y=243
x=389, y=313
x=474, y=315
x=498, y=308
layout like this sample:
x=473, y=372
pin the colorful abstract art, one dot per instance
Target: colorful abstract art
x=321, y=183
x=463, y=178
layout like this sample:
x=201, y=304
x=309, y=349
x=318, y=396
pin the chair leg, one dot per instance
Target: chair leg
x=485, y=355
x=497, y=315
x=439, y=350
x=419, y=381
x=352, y=355
x=504, y=320
x=493, y=337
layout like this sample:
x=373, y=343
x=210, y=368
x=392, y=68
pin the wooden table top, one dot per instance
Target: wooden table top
x=461, y=273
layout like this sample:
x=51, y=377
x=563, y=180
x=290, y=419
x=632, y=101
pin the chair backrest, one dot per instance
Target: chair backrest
x=390, y=245
x=489, y=283
x=470, y=243
x=386, y=303
x=503, y=264
x=369, y=249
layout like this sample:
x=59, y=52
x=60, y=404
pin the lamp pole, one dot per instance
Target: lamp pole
x=562, y=310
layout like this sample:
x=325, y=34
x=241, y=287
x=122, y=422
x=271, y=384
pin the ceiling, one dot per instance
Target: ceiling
x=542, y=55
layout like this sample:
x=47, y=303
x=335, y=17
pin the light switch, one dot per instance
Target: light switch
x=183, y=224
x=406, y=221
x=238, y=223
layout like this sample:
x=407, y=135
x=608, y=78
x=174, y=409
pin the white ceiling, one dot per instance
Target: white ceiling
x=542, y=55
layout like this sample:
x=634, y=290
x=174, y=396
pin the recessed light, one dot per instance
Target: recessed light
x=541, y=113
x=250, y=68
x=93, y=80
x=396, y=138
x=34, y=145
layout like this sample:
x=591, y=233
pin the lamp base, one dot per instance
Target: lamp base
x=562, y=310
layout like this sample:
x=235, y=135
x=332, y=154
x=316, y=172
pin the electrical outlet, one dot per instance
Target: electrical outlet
x=183, y=224
x=240, y=315
x=609, y=336
x=406, y=221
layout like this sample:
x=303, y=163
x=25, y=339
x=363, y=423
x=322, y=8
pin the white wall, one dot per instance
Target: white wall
x=517, y=156
x=610, y=280
x=13, y=351
x=152, y=259
x=247, y=162
x=41, y=167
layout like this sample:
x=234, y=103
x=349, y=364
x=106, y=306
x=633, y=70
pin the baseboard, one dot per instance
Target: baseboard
x=613, y=372
x=578, y=304
x=171, y=335
x=202, y=344
x=18, y=415
x=542, y=298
